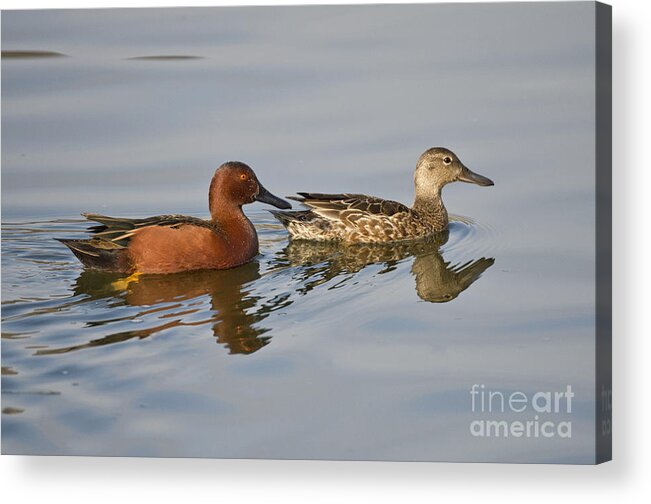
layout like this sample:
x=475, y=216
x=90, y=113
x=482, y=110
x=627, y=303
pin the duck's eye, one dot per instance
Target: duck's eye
x=244, y=176
x=447, y=160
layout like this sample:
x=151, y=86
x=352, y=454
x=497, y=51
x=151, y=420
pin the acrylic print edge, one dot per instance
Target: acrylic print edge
x=603, y=234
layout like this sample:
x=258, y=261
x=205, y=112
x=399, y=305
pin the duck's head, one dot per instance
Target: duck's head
x=439, y=166
x=235, y=183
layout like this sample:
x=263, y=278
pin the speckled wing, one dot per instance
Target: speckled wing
x=350, y=208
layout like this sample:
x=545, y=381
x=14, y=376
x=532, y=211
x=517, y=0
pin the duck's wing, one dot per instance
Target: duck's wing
x=118, y=230
x=349, y=207
x=110, y=239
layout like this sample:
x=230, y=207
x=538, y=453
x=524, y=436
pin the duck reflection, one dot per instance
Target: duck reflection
x=239, y=303
x=437, y=280
x=236, y=312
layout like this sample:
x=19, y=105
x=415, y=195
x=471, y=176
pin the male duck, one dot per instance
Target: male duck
x=173, y=243
x=357, y=218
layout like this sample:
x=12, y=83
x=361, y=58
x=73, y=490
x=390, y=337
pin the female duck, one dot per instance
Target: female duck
x=173, y=243
x=368, y=219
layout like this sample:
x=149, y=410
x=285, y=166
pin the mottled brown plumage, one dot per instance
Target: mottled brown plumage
x=358, y=218
x=173, y=243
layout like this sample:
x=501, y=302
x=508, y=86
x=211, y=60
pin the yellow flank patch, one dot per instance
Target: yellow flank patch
x=123, y=283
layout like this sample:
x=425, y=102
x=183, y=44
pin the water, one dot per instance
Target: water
x=310, y=351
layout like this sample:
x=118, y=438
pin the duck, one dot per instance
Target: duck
x=358, y=218
x=174, y=243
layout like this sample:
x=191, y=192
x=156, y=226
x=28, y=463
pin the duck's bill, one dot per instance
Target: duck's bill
x=266, y=197
x=474, y=178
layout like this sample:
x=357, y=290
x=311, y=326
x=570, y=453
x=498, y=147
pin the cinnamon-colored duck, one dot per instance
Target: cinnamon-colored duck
x=173, y=243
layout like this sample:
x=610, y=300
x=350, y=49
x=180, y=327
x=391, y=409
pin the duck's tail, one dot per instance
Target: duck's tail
x=96, y=253
x=287, y=218
x=305, y=225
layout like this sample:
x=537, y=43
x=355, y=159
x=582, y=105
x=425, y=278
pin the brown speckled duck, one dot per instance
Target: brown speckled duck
x=174, y=243
x=357, y=218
